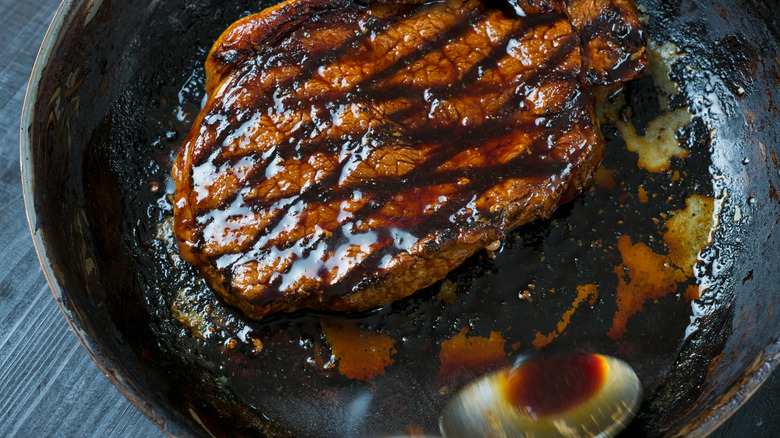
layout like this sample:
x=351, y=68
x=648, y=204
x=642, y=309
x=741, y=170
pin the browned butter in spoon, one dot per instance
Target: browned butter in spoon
x=582, y=395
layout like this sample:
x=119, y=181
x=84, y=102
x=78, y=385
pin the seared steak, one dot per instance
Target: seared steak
x=350, y=154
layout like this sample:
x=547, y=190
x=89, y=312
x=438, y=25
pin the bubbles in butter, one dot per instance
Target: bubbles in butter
x=659, y=144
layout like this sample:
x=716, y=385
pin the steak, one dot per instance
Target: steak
x=351, y=153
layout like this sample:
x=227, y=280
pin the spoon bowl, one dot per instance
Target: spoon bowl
x=583, y=395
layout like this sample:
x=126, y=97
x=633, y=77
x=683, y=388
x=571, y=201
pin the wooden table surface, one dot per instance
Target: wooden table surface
x=49, y=386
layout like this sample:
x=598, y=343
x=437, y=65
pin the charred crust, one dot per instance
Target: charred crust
x=444, y=150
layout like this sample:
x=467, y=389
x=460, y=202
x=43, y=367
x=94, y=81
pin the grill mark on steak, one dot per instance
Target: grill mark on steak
x=356, y=193
x=527, y=24
x=565, y=50
x=385, y=185
x=451, y=33
x=531, y=168
x=455, y=31
x=425, y=136
x=308, y=68
x=432, y=45
x=380, y=94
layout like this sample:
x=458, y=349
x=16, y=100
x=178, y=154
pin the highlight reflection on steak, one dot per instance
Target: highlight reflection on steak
x=350, y=154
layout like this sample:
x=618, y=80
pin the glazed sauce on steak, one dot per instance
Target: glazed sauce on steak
x=351, y=154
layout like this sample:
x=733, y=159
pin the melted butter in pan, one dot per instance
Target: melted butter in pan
x=468, y=352
x=585, y=292
x=360, y=354
x=645, y=274
x=658, y=144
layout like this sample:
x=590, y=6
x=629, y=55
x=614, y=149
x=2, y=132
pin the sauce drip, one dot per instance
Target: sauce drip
x=547, y=387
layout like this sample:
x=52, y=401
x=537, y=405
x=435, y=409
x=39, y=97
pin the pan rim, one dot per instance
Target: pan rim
x=88, y=341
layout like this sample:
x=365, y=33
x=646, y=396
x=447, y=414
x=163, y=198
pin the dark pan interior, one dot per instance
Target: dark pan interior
x=119, y=88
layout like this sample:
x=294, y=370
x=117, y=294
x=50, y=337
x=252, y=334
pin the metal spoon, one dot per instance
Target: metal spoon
x=584, y=395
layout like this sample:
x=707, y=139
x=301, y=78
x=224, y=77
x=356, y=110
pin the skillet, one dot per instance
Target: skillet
x=112, y=95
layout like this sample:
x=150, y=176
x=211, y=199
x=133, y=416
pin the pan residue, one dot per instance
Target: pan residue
x=631, y=268
x=615, y=271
